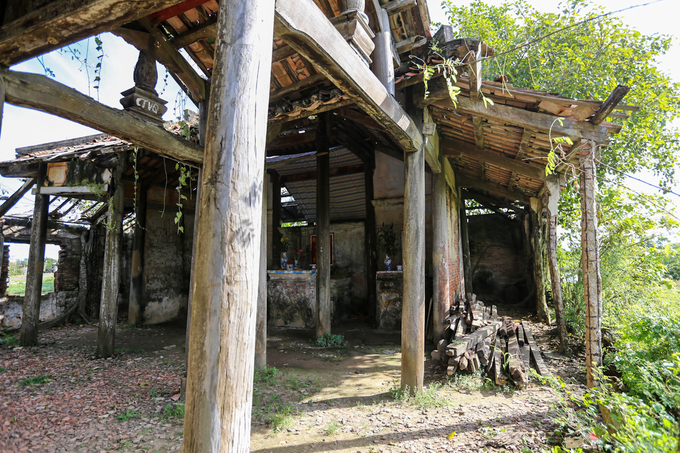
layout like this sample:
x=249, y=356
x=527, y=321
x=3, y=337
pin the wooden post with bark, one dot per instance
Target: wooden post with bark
x=135, y=307
x=553, y=191
x=323, y=228
x=590, y=260
x=28, y=333
x=227, y=275
x=537, y=247
x=440, y=252
x=108, y=309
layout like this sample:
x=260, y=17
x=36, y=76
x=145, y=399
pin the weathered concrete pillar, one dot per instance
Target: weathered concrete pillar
x=370, y=242
x=108, y=308
x=135, y=310
x=323, y=229
x=590, y=260
x=413, y=250
x=553, y=192
x=227, y=271
x=28, y=334
x=441, y=295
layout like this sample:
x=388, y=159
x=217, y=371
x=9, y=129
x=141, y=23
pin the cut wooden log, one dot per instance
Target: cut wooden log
x=520, y=335
x=535, y=352
x=515, y=364
x=457, y=348
x=497, y=368
x=475, y=362
x=483, y=351
x=525, y=352
x=436, y=356
x=463, y=363
x=451, y=370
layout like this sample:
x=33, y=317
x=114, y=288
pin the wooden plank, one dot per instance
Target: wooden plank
x=108, y=306
x=312, y=175
x=64, y=22
x=323, y=229
x=536, y=355
x=175, y=10
x=204, y=31
x=16, y=196
x=68, y=191
x=456, y=148
x=515, y=364
x=28, y=332
x=297, y=86
x=44, y=94
x=610, y=104
x=304, y=27
x=227, y=271
x=494, y=189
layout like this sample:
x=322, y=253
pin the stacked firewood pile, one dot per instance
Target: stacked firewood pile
x=478, y=338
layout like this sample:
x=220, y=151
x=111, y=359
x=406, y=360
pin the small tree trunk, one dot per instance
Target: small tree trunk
x=590, y=260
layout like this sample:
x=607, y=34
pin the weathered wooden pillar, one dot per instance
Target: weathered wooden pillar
x=30, y=318
x=108, y=308
x=2, y=101
x=465, y=241
x=202, y=126
x=553, y=192
x=590, y=260
x=370, y=241
x=323, y=228
x=227, y=274
x=383, y=68
x=261, y=322
x=137, y=266
x=413, y=250
x=276, y=218
x=537, y=247
x=441, y=294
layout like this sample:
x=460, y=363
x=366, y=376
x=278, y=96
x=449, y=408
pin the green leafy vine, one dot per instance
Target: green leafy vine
x=182, y=181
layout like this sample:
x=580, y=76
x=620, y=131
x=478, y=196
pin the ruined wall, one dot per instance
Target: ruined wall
x=4, y=271
x=497, y=257
x=167, y=266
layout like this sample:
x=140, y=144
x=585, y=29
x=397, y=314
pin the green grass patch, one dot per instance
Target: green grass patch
x=173, y=411
x=17, y=285
x=128, y=414
x=35, y=381
x=329, y=340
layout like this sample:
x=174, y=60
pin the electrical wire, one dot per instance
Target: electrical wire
x=665, y=191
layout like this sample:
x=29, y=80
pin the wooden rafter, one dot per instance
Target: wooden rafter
x=311, y=175
x=304, y=27
x=610, y=104
x=523, y=147
x=397, y=6
x=456, y=148
x=44, y=94
x=63, y=22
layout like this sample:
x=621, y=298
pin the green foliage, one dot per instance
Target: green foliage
x=35, y=381
x=332, y=427
x=329, y=340
x=387, y=239
x=9, y=341
x=283, y=418
x=586, y=61
x=128, y=414
x=183, y=180
x=173, y=411
x=430, y=397
x=266, y=375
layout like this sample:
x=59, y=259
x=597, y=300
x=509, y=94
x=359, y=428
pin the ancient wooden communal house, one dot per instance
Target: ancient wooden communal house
x=321, y=98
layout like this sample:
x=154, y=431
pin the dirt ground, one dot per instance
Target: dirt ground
x=59, y=397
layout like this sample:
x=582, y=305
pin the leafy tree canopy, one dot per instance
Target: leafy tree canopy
x=586, y=61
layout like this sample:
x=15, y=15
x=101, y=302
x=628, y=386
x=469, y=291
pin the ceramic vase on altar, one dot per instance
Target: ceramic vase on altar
x=284, y=261
x=388, y=263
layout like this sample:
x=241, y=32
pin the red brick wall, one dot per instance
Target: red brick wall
x=68, y=271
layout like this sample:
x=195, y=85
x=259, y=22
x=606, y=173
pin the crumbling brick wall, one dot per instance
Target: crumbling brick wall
x=68, y=269
x=4, y=271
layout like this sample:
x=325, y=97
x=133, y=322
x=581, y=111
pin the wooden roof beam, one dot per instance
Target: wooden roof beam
x=44, y=94
x=523, y=147
x=305, y=28
x=610, y=104
x=397, y=6
x=455, y=148
x=16, y=196
x=494, y=189
x=64, y=22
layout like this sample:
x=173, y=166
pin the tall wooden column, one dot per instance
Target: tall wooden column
x=108, y=309
x=413, y=250
x=227, y=274
x=323, y=228
x=538, y=244
x=553, y=191
x=440, y=252
x=137, y=266
x=30, y=318
x=383, y=67
x=370, y=241
x=465, y=241
x=276, y=218
x=261, y=321
x=590, y=260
